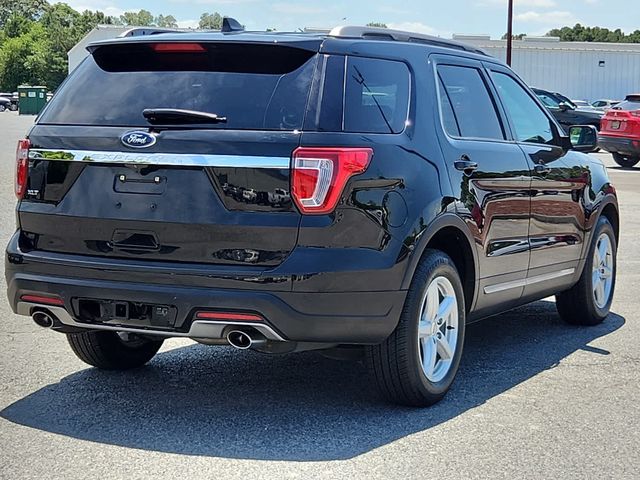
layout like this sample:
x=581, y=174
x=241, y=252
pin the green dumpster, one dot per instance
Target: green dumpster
x=31, y=99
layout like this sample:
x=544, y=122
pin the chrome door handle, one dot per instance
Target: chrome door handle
x=541, y=169
x=465, y=165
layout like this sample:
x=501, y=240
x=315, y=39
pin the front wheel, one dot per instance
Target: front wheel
x=625, y=161
x=417, y=363
x=588, y=302
x=113, y=350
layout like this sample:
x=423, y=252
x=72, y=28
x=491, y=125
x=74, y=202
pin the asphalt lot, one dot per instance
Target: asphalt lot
x=534, y=398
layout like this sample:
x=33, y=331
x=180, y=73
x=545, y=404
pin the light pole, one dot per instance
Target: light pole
x=509, y=32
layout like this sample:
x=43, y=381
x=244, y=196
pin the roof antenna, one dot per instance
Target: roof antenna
x=231, y=25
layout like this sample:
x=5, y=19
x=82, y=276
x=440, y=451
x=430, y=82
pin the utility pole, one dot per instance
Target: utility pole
x=510, y=32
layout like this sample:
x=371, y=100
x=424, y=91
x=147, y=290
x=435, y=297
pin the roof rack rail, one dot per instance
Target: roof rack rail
x=377, y=33
x=142, y=31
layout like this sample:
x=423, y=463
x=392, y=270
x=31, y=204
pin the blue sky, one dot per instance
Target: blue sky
x=443, y=18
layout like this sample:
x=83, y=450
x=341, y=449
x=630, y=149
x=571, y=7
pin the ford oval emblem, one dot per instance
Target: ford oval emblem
x=138, y=139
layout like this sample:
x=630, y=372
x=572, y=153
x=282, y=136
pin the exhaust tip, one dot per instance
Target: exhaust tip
x=43, y=319
x=239, y=339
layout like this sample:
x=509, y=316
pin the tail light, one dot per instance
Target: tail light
x=635, y=113
x=22, y=167
x=320, y=175
x=178, y=47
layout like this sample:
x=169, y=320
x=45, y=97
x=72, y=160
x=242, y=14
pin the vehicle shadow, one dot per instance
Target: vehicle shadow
x=200, y=400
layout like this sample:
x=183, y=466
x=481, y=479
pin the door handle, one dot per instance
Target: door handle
x=541, y=169
x=465, y=165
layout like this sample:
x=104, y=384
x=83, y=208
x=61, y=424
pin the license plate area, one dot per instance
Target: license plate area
x=124, y=313
x=615, y=125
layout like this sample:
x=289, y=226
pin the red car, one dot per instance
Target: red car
x=620, y=132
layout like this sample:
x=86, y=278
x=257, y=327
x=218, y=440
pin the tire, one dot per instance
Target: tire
x=396, y=364
x=2, y=108
x=584, y=304
x=625, y=161
x=109, y=351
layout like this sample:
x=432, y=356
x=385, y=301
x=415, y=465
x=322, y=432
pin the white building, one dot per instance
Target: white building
x=579, y=70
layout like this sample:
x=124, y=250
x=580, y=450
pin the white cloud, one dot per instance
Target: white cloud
x=546, y=17
x=188, y=23
x=418, y=27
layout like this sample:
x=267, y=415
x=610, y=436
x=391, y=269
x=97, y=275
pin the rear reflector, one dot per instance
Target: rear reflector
x=229, y=316
x=22, y=167
x=320, y=175
x=178, y=47
x=42, y=299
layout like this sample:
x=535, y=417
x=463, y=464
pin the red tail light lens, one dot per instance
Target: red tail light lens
x=178, y=47
x=320, y=175
x=45, y=300
x=635, y=113
x=22, y=167
x=229, y=316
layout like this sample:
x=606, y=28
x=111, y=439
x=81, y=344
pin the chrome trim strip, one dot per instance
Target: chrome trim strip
x=178, y=159
x=206, y=329
x=500, y=287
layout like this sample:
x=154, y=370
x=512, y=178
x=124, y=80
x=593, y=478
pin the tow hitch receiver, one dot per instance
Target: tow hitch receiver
x=132, y=314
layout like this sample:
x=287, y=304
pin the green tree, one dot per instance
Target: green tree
x=28, y=9
x=143, y=18
x=377, y=24
x=580, y=33
x=210, y=21
x=167, y=21
x=24, y=59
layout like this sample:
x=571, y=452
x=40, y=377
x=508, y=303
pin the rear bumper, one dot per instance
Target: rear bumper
x=359, y=317
x=622, y=145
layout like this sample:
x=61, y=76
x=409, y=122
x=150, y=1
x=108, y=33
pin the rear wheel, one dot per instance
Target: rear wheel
x=589, y=301
x=625, y=161
x=418, y=362
x=113, y=350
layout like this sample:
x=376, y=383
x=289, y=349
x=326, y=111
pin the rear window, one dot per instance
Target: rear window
x=631, y=103
x=262, y=87
x=376, y=96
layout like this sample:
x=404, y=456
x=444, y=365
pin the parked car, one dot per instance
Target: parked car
x=582, y=104
x=5, y=104
x=414, y=210
x=620, y=134
x=604, y=104
x=567, y=113
x=13, y=99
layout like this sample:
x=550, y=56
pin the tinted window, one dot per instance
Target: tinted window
x=376, y=96
x=633, y=104
x=549, y=100
x=529, y=121
x=255, y=87
x=448, y=117
x=474, y=110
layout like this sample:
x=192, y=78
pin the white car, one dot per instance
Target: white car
x=604, y=104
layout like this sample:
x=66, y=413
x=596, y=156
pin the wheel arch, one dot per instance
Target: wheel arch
x=447, y=233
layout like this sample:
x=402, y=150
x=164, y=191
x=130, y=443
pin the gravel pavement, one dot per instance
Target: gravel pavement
x=534, y=398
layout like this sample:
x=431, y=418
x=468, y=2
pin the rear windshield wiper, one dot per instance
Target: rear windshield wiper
x=178, y=116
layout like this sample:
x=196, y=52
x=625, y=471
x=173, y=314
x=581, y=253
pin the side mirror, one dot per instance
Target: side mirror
x=564, y=106
x=584, y=138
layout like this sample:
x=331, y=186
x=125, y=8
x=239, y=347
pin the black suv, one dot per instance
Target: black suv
x=366, y=190
x=566, y=112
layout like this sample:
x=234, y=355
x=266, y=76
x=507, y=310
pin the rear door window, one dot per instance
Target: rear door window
x=474, y=112
x=376, y=96
x=256, y=86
